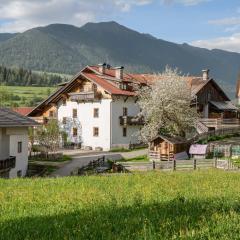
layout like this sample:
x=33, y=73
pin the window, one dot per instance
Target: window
x=75, y=132
x=124, y=132
x=74, y=113
x=19, y=146
x=125, y=111
x=95, y=112
x=51, y=114
x=95, y=131
x=64, y=121
x=64, y=102
x=124, y=86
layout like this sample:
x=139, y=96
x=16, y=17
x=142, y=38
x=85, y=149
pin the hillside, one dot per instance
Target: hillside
x=6, y=36
x=180, y=205
x=66, y=49
x=23, y=77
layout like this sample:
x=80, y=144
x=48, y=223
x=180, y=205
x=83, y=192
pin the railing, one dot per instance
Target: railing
x=220, y=123
x=174, y=165
x=157, y=156
x=82, y=96
x=130, y=120
x=220, y=131
x=8, y=163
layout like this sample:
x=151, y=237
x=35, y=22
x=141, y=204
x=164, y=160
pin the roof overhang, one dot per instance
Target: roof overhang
x=224, y=105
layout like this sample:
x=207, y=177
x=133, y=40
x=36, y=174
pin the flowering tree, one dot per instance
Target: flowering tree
x=166, y=106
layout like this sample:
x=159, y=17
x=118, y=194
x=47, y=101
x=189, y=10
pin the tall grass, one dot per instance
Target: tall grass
x=181, y=205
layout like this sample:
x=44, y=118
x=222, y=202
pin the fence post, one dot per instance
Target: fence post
x=154, y=165
x=215, y=163
x=194, y=164
x=174, y=165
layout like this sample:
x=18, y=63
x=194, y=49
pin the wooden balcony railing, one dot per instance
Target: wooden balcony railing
x=8, y=163
x=219, y=123
x=130, y=120
x=82, y=96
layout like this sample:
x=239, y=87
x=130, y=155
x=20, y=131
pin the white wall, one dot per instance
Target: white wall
x=117, y=130
x=110, y=130
x=86, y=122
x=16, y=135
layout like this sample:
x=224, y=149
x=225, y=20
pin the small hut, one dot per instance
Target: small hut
x=198, y=151
x=168, y=148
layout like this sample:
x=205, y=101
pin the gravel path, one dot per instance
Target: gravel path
x=83, y=160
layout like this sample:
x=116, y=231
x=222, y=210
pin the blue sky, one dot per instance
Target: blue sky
x=204, y=23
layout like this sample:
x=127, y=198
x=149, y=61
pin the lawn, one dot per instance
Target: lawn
x=143, y=158
x=154, y=205
x=28, y=95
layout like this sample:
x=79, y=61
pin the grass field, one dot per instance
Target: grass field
x=180, y=205
x=28, y=94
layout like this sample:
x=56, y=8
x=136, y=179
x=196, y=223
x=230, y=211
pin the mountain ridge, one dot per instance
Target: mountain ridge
x=66, y=48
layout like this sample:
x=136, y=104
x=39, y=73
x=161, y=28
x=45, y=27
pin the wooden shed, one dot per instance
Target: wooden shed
x=166, y=148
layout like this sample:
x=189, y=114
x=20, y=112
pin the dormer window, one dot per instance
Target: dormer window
x=123, y=86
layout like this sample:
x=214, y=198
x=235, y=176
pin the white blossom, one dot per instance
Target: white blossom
x=166, y=106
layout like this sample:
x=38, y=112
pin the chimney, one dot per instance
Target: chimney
x=119, y=72
x=205, y=74
x=102, y=67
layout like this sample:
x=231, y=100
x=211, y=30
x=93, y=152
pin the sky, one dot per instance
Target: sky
x=203, y=23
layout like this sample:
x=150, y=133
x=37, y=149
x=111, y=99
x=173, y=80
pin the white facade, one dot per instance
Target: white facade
x=10, y=140
x=117, y=138
x=110, y=132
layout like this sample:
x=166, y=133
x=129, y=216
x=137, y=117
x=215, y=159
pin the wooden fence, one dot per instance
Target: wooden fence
x=176, y=165
x=170, y=165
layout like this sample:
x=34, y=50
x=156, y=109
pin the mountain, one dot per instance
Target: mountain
x=66, y=49
x=6, y=36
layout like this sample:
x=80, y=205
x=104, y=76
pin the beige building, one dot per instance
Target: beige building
x=14, y=143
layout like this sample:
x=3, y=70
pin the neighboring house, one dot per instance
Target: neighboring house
x=13, y=143
x=98, y=107
x=23, y=110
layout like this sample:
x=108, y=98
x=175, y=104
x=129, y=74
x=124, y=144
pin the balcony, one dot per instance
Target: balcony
x=130, y=120
x=220, y=123
x=84, y=96
x=8, y=163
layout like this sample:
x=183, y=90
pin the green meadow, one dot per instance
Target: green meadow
x=154, y=205
x=25, y=96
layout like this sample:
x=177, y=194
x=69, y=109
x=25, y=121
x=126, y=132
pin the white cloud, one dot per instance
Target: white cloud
x=226, y=21
x=185, y=2
x=231, y=43
x=20, y=15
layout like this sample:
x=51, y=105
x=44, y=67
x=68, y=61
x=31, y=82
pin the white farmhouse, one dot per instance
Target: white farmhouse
x=96, y=109
x=13, y=143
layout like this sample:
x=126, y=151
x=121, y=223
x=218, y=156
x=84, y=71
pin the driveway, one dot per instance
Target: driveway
x=83, y=160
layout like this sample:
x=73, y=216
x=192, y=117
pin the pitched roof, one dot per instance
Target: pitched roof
x=9, y=118
x=224, y=105
x=172, y=140
x=110, y=84
x=23, y=110
x=110, y=88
